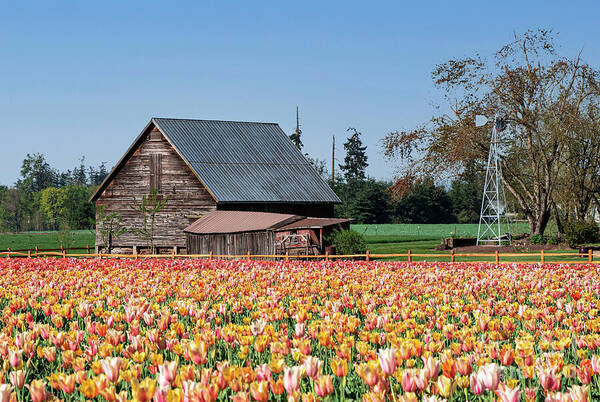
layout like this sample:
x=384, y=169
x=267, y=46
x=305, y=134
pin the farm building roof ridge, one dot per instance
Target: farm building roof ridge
x=239, y=161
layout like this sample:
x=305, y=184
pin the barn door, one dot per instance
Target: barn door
x=155, y=170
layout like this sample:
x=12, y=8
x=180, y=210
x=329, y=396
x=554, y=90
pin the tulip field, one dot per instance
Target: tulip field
x=199, y=330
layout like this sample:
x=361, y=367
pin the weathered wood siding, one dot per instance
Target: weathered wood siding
x=257, y=243
x=155, y=164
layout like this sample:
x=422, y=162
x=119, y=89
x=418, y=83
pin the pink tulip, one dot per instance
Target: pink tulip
x=291, y=378
x=387, y=360
x=263, y=372
x=299, y=329
x=111, y=367
x=477, y=386
x=14, y=358
x=6, y=391
x=508, y=394
x=596, y=364
x=579, y=393
x=408, y=381
x=167, y=373
x=312, y=366
x=432, y=367
x=17, y=378
x=490, y=376
x=548, y=380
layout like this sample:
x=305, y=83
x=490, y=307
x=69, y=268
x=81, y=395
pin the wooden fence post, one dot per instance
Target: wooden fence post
x=326, y=255
x=100, y=253
x=497, y=257
x=210, y=256
x=590, y=256
x=28, y=253
x=409, y=256
x=87, y=249
x=287, y=256
x=542, y=258
x=248, y=256
x=64, y=253
x=367, y=256
x=452, y=255
x=36, y=249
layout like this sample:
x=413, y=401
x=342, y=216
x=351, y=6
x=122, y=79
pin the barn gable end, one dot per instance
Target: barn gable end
x=153, y=163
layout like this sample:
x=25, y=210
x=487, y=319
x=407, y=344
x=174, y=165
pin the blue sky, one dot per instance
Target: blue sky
x=83, y=78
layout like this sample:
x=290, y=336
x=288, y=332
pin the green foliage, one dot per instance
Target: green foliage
x=348, y=242
x=109, y=227
x=537, y=239
x=465, y=195
x=52, y=203
x=44, y=198
x=355, y=161
x=553, y=240
x=366, y=201
x=581, y=232
x=424, y=203
x=149, y=207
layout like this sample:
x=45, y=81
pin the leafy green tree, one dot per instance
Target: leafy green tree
x=355, y=161
x=79, y=212
x=424, y=203
x=52, y=203
x=109, y=226
x=36, y=174
x=465, y=195
x=365, y=201
x=149, y=207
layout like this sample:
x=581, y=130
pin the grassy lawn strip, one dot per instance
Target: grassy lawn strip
x=45, y=240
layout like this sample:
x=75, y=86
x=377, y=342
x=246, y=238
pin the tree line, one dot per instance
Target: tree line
x=45, y=198
x=369, y=200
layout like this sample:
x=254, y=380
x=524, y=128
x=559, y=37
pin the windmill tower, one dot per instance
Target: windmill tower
x=493, y=219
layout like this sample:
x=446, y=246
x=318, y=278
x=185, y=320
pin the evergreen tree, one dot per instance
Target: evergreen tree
x=355, y=161
x=295, y=137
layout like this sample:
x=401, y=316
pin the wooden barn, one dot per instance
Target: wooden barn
x=260, y=233
x=204, y=166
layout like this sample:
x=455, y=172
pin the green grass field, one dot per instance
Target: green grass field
x=423, y=238
x=45, y=240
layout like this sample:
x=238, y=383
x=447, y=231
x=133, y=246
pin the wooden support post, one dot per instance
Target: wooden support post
x=409, y=257
x=36, y=249
x=287, y=256
x=368, y=257
x=248, y=256
x=64, y=253
x=497, y=257
x=28, y=253
x=100, y=253
x=542, y=259
x=326, y=255
x=173, y=252
x=590, y=256
x=87, y=249
x=61, y=247
x=452, y=254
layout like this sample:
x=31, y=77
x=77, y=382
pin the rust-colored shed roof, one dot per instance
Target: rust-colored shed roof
x=309, y=223
x=239, y=221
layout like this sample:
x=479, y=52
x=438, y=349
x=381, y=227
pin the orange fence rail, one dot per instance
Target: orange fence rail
x=498, y=258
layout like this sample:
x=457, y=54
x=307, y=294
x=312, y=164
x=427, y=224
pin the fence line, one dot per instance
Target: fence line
x=499, y=258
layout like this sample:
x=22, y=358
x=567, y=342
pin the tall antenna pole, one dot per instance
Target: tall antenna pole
x=333, y=162
x=493, y=216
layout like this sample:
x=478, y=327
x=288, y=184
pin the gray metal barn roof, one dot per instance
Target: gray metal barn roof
x=246, y=162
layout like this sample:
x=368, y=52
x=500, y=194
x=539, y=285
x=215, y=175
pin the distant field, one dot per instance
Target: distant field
x=394, y=233
x=44, y=240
